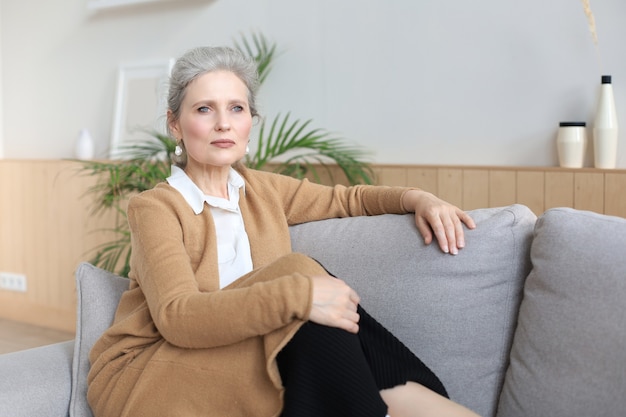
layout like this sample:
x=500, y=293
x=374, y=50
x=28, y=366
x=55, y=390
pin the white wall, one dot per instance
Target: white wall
x=415, y=81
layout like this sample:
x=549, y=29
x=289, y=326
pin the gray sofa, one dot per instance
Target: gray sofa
x=528, y=320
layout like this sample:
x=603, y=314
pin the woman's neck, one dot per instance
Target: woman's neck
x=212, y=180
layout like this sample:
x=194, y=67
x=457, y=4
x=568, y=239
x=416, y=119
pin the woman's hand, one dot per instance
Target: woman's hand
x=435, y=216
x=334, y=304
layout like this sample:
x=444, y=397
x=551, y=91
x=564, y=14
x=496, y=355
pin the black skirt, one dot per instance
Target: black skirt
x=330, y=372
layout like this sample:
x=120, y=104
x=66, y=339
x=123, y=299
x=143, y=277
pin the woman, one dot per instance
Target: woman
x=221, y=319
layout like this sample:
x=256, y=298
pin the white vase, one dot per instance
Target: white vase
x=605, y=128
x=84, y=148
x=571, y=143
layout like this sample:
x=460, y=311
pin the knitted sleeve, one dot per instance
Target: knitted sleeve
x=304, y=201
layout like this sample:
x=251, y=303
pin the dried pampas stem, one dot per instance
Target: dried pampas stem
x=591, y=21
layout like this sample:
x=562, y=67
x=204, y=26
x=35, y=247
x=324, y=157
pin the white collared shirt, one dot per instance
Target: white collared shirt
x=233, y=246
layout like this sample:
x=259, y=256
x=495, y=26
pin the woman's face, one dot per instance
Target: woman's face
x=215, y=120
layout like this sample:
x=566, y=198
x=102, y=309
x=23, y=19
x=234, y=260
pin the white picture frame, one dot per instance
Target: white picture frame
x=140, y=102
x=106, y=4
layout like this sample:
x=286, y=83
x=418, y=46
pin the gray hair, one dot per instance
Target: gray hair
x=199, y=61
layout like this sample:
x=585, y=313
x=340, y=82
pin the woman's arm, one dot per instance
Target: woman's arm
x=185, y=313
x=303, y=201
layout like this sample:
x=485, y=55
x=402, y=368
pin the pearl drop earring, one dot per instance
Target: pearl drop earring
x=178, y=151
x=247, y=149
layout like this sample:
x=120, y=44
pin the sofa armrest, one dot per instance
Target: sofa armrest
x=36, y=382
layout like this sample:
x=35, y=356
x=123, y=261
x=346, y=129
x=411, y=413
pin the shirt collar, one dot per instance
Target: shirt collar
x=196, y=198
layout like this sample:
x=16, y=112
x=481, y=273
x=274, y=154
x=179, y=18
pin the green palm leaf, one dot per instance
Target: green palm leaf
x=115, y=255
x=261, y=50
x=305, y=150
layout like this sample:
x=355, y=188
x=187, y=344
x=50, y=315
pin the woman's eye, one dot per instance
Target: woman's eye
x=237, y=108
x=203, y=109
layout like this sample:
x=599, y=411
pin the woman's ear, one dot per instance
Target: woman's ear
x=173, y=125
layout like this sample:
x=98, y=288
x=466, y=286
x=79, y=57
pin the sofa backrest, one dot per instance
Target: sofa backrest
x=457, y=313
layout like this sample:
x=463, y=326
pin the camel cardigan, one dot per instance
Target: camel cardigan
x=180, y=346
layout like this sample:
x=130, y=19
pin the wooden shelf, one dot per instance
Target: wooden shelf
x=540, y=188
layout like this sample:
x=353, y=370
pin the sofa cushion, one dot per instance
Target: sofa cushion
x=457, y=313
x=569, y=351
x=35, y=382
x=98, y=294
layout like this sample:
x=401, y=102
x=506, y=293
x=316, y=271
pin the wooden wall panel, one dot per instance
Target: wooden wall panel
x=502, y=188
x=589, y=191
x=391, y=176
x=531, y=190
x=615, y=194
x=47, y=226
x=450, y=185
x=424, y=178
x=475, y=188
x=46, y=229
x=559, y=189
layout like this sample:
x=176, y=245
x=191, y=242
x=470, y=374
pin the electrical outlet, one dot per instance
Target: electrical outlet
x=12, y=282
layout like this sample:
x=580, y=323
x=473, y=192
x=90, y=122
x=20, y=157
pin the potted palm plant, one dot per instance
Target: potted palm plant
x=285, y=145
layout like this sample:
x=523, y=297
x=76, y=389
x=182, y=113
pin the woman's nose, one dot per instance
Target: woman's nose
x=222, y=121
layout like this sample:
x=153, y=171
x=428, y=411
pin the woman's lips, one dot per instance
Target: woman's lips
x=223, y=143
